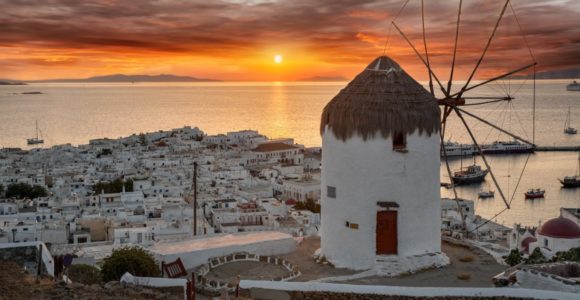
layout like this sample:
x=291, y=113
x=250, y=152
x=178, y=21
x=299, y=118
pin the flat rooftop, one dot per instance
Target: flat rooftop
x=218, y=242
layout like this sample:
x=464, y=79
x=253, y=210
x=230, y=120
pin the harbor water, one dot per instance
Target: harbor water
x=76, y=113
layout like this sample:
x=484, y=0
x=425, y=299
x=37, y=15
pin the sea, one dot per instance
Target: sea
x=77, y=112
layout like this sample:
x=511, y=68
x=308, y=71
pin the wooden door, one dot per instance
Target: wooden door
x=387, y=232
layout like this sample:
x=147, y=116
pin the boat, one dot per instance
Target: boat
x=535, y=193
x=567, y=128
x=574, y=180
x=486, y=194
x=574, y=86
x=36, y=140
x=456, y=149
x=471, y=174
x=503, y=147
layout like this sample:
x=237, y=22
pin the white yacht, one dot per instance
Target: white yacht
x=501, y=147
x=456, y=149
x=574, y=86
x=37, y=139
x=568, y=129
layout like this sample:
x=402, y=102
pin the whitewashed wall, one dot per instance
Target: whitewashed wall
x=365, y=172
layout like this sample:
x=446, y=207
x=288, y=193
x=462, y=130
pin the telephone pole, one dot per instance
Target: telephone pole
x=194, y=198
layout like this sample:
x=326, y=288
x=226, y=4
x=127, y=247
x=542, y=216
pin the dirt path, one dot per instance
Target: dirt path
x=474, y=266
x=302, y=257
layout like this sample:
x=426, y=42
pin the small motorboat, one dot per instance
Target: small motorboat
x=535, y=193
x=486, y=194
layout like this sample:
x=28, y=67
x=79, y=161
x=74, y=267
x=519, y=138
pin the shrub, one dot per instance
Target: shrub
x=309, y=204
x=537, y=257
x=25, y=190
x=464, y=276
x=570, y=255
x=134, y=260
x=84, y=274
x=467, y=258
x=514, y=258
x=116, y=186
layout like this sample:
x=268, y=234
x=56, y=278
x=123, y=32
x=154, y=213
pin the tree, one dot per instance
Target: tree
x=1, y=189
x=25, y=190
x=116, y=186
x=309, y=204
x=134, y=260
x=514, y=258
x=537, y=257
x=570, y=255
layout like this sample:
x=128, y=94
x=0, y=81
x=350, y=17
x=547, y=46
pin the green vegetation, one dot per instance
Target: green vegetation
x=116, y=186
x=134, y=260
x=85, y=274
x=25, y=190
x=570, y=255
x=309, y=204
x=514, y=258
x=536, y=257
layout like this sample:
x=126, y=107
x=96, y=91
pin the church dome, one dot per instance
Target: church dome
x=382, y=99
x=560, y=228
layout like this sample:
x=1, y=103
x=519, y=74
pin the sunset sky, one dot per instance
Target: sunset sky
x=238, y=39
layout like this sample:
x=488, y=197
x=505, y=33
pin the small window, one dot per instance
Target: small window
x=331, y=192
x=399, y=142
x=545, y=242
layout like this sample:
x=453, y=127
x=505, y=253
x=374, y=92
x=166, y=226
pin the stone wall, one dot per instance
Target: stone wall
x=26, y=257
x=350, y=296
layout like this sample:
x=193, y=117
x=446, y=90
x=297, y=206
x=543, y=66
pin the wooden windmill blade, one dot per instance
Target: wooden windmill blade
x=451, y=102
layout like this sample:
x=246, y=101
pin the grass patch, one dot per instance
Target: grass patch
x=464, y=276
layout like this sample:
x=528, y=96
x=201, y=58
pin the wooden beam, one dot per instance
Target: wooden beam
x=495, y=126
x=457, y=111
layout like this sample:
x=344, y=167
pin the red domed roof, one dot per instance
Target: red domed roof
x=560, y=228
x=526, y=242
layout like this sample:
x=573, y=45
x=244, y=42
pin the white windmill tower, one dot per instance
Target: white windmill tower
x=381, y=141
x=380, y=175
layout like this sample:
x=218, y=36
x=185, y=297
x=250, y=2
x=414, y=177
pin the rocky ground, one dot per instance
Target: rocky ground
x=15, y=284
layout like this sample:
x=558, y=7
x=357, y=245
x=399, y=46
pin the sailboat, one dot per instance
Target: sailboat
x=574, y=180
x=567, y=128
x=37, y=139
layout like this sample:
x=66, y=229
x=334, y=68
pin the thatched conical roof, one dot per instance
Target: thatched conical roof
x=382, y=99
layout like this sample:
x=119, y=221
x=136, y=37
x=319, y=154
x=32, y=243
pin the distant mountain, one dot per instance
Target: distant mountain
x=324, y=78
x=560, y=74
x=132, y=78
x=6, y=82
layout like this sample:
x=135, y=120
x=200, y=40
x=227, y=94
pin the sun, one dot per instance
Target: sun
x=278, y=58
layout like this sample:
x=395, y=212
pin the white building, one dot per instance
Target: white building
x=558, y=234
x=380, y=173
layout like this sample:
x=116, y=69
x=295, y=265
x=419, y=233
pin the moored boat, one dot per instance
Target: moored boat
x=535, y=193
x=36, y=140
x=456, y=149
x=502, y=147
x=574, y=86
x=568, y=129
x=574, y=180
x=469, y=175
x=486, y=194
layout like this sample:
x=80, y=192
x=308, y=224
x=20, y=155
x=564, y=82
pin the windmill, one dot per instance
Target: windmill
x=454, y=102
